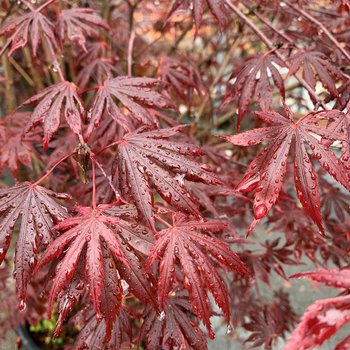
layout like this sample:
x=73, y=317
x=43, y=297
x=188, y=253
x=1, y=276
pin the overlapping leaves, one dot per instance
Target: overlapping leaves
x=266, y=172
x=37, y=212
x=182, y=242
x=148, y=158
x=93, y=237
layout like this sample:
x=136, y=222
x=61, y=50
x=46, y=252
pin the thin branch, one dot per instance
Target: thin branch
x=270, y=45
x=323, y=28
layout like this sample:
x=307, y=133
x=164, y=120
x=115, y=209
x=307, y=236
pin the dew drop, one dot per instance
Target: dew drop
x=260, y=211
x=22, y=305
x=161, y=316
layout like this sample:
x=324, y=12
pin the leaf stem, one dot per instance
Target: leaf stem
x=93, y=180
x=130, y=48
x=53, y=168
x=47, y=3
x=29, y=5
x=162, y=221
x=108, y=146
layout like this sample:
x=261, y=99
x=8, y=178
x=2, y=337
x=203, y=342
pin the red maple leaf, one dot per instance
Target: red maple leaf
x=77, y=22
x=180, y=76
x=247, y=81
x=266, y=172
x=217, y=8
x=93, y=334
x=314, y=62
x=321, y=320
x=182, y=242
x=99, y=69
x=33, y=23
x=48, y=110
x=39, y=213
x=134, y=94
x=174, y=327
x=150, y=154
x=93, y=236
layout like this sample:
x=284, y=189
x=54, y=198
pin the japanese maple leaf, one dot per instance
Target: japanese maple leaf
x=142, y=154
x=333, y=200
x=320, y=321
x=217, y=8
x=253, y=75
x=182, y=242
x=48, y=110
x=78, y=22
x=323, y=318
x=174, y=328
x=314, y=62
x=98, y=69
x=33, y=24
x=340, y=125
x=93, y=236
x=93, y=334
x=134, y=94
x=183, y=78
x=138, y=283
x=333, y=277
x=16, y=150
x=38, y=213
x=265, y=328
x=266, y=172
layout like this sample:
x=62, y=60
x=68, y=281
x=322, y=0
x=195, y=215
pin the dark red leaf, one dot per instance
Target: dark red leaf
x=39, y=213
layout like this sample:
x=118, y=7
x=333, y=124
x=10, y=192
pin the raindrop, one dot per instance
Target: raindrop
x=22, y=305
x=260, y=211
x=229, y=329
x=161, y=316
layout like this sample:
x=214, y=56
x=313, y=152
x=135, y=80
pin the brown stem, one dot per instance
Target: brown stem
x=21, y=71
x=9, y=88
x=33, y=72
x=268, y=24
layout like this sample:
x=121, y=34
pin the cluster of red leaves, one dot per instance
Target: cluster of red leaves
x=137, y=216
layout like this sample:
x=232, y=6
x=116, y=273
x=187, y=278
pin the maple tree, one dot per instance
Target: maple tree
x=142, y=142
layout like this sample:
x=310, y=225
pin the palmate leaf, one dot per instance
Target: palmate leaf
x=174, y=328
x=48, y=110
x=38, y=213
x=320, y=321
x=98, y=69
x=93, y=334
x=14, y=151
x=77, y=22
x=134, y=94
x=180, y=76
x=313, y=63
x=150, y=154
x=217, y=8
x=33, y=24
x=93, y=237
x=335, y=278
x=247, y=81
x=267, y=170
x=182, y=242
